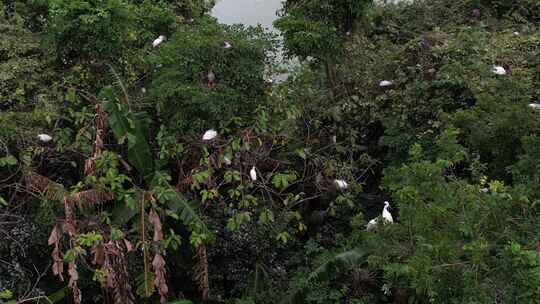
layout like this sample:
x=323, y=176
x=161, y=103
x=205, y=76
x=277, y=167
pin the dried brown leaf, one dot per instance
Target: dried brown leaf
x=98, y=253
x=72, y=284
x=91, y=197
x=158, y=264
x=55, y=235
x=69, y=223
x=153, y=218
x=201, y=272
x=44, y=186
x=129, y=246
x=58, y=263
x=101, y=125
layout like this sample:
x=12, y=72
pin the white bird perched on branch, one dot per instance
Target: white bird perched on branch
x=385, y=83
x=210, y=134
x=499, y=70
x=227, y=45
x=341, y=184
x=158, y=41
x=44, y=138
x=534, y=106
x=386, y=215
x=253, y=173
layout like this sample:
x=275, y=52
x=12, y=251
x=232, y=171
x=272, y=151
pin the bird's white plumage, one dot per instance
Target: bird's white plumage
x=499, y=70
x=341, y=184
x=372, y=224
x=158, y=41
x=227, y=160
x=386, y=216
x=45, y=138
x=534, y=106
x=210, y=134
x=253, y=173
x=227, y=45
x=385, y=83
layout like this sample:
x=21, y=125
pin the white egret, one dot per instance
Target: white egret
x=227, y=45
x=534, y=106
x=253, y=173
x=341, y=184
x=386, y=216
x=372, y=224
x=227, y=160
x=499, y=70
x=210, y=134
x=44, y=138
x=158, y=41
x=385, y=83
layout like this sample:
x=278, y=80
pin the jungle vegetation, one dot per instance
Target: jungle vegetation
x=138, y=169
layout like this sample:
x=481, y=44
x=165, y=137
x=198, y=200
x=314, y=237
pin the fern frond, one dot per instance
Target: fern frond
x=44, y=186
x=91, y=197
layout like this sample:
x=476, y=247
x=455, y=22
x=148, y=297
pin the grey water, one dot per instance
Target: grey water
x=253, y=13
x=248, y=12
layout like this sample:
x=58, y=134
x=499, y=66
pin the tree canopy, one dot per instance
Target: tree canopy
x=147, y=154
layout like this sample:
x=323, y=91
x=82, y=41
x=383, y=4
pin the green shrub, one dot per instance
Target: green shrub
x=90, y=29
x=22, y=64
x=183, y=98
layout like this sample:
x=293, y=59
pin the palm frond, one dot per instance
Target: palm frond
x=44, y=186
x=91, y=197
x=186, y=213
x=119, y=83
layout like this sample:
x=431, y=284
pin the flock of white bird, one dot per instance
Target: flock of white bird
x=385, y=217
x=339, y=183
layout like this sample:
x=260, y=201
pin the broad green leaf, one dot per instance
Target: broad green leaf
x=126, y=124
x=7, y=161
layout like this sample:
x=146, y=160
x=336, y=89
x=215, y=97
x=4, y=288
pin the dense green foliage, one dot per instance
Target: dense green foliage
x=109, y=193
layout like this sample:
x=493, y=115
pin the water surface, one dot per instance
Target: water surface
x=248, y=12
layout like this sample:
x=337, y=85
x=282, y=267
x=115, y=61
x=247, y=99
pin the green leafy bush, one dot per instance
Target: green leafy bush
x=90, y=29
x=22, y=64
x=180, y=87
